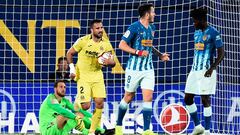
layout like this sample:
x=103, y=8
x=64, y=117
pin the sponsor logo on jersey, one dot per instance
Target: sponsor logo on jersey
x=127, y=33
x=147, y=42
x=91, y=53
x=199, y=46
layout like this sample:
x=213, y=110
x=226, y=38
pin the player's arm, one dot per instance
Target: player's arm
x=85, y=113
x=77, y=46
x=126, y=48
x=53, y=103
x=70, y=106
x=220, y=56
x=128, y=36
x=70, y=54
x=162, y=56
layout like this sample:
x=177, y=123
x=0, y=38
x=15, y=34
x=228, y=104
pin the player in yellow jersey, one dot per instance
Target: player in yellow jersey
x=88, y=73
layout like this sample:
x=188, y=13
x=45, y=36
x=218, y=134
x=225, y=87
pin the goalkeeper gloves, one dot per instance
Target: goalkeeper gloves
x=80, y=126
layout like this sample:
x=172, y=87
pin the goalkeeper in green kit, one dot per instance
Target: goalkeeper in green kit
x=58, y=117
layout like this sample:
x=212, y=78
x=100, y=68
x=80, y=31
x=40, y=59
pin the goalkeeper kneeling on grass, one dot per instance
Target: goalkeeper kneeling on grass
x=57, y=115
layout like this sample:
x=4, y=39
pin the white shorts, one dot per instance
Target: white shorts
x=133, y=79
x=200, y=85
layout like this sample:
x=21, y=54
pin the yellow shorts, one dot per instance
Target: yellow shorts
x=88, y=90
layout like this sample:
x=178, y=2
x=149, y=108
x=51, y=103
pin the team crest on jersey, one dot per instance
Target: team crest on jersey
x=82, y=97
x=101, y=48
x=204, y=38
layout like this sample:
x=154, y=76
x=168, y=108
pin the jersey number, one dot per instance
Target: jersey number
x=128, y=79
x=81, y=90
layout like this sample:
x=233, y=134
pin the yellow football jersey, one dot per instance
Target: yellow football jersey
x=88, y=68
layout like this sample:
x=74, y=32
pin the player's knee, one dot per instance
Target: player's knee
x=128, y=97
x=99, y=102
x=61, y=121
x=86, y=105
x=147, y=98
x=206, y=101
x=188, y=100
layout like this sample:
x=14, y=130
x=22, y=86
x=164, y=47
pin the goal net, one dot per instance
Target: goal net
x=34, y=34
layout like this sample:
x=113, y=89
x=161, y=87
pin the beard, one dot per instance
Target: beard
x=60, y=94
x=98, y=35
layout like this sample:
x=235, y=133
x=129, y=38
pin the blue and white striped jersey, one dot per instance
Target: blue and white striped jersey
x=140, y=38
x=205, y=44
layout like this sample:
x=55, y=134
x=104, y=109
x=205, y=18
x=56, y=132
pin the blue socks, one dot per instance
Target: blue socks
x=192, y=109
x=207, y=112
x=147, y=113
x=122, y=109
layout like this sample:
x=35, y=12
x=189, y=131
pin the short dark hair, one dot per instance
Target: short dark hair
x=95, y=21
x=58, y=81
x=199, y=14
x=144, y=8
x=62, y=58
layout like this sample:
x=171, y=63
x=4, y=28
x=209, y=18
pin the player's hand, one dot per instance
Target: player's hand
x=80, y=124
x=72, y=76
x=79, y=115
x=165, y=57
x=109, y=62
x=143, y=53
x=208, y=73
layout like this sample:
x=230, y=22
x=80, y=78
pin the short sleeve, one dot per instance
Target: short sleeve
x=217, y=40
x=109, y=47
x=129, y=34
x=78, y=45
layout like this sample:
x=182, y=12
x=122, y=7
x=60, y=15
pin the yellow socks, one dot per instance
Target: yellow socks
x=96, y=119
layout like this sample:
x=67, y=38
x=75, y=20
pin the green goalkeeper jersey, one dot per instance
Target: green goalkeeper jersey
x=51, y=108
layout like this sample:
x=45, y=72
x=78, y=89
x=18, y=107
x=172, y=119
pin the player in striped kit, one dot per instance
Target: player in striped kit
x=202, y=78
x=138, y=41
